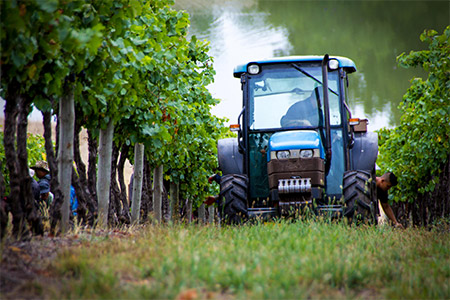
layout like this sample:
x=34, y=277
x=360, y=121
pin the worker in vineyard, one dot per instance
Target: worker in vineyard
x=384, y=183
x=43, y=173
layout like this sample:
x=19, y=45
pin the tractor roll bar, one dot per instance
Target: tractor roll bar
x=326, y=104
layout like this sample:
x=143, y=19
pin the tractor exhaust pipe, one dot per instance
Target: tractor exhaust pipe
x=326, y=104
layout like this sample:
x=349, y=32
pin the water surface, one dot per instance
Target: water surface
x=372, y=33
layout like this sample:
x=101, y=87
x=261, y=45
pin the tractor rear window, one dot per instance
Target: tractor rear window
x=283, y=96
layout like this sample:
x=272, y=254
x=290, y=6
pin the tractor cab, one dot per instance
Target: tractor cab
x=296, y=138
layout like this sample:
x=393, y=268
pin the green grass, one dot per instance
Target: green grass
x=274, y=260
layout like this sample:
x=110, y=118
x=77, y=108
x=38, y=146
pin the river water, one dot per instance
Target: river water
x=371, y=33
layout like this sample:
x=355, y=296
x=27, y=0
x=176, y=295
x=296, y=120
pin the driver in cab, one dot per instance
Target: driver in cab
x=303, y=113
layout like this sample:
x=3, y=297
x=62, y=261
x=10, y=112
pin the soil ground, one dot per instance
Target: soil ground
x=24, y=265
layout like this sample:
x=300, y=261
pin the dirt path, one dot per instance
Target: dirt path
x=24, y=265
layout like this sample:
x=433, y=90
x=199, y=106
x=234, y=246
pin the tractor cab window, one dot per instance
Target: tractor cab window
x=284, y=96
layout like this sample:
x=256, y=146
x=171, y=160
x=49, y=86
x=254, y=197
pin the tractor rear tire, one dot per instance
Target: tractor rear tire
x=233, y=199
x=360, y=197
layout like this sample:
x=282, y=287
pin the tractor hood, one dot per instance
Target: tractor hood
x=296, y=140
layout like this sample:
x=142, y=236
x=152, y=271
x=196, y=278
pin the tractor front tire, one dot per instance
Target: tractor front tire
x=360, y=197
x=233, y=199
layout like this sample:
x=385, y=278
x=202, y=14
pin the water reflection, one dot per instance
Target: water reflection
x=372, y=33
x=238, y=33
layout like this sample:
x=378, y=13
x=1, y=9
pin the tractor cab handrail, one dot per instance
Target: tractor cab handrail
x=240, y=139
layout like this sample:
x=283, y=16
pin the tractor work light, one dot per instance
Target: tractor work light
x=333, y=64
x=285, y=154
x=306, y=153
x=253, y=69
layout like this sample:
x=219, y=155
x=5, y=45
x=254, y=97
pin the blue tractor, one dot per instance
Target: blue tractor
x=297, y=145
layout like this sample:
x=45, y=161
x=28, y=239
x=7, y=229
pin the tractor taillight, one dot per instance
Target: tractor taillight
x=353, y=121
x=235, y=127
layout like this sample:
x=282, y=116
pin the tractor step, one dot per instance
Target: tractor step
x=263, y=213
x=267, y=213
x=334, y=211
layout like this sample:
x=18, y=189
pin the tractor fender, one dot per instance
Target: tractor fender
x=364, y=151
x=230, y=160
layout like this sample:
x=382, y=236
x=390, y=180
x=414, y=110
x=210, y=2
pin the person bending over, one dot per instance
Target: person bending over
x=384, y=183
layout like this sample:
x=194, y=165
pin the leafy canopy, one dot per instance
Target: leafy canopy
x=417, y=148
x=132, y=63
